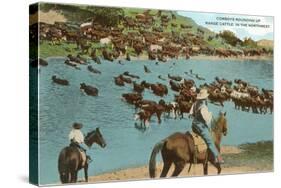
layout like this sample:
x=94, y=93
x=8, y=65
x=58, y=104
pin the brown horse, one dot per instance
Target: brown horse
x=70, y=159
x=179, y=149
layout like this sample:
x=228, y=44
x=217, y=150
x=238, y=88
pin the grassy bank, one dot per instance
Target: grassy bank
x=256, y=155
x=168, y=25
x=47, y=49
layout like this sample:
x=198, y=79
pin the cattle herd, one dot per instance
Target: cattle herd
x=136, y=35
x=243, y=95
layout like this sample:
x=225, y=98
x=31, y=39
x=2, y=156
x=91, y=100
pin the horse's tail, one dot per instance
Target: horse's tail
x=152, y=161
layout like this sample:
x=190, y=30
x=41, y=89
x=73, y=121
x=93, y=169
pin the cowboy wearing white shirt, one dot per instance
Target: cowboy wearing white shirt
x=202, y=120
x=76, y=136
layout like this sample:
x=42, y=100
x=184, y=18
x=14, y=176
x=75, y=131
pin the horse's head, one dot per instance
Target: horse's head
x=220, y=125
x=95, y=136
x=223, y=123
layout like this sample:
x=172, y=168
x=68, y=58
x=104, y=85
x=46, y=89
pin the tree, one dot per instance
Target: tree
x=230, y=37
x=249, y=42
x=107, y=16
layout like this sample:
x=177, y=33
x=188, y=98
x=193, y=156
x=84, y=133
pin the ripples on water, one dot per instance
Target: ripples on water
x=60, y=106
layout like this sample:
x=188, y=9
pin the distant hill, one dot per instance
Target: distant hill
x=81, y=13
x=171, y=26
x=265, y=43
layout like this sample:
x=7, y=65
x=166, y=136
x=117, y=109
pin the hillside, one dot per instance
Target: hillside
x=134, y=32
x=265, y=43
x=79, y=14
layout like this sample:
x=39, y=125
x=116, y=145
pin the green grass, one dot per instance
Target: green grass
x=81, y=13
x=78, y=14
x=217, y=43
x=47, y=49
x=256, y=155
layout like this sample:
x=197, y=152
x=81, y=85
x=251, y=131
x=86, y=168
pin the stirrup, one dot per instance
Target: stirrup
x=219, y=160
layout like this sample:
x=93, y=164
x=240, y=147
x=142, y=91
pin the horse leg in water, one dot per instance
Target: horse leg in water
x=179, y=166
x=73, y=176
x=86, y=172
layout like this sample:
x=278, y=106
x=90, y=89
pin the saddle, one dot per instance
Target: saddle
x=83, y=156
x=81, y=151
x=199, y=143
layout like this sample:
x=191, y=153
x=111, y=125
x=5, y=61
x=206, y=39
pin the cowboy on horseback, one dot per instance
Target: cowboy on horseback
x=76, y=138
x=201, y=123
x=73, y=158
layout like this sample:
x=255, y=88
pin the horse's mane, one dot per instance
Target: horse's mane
x=90, y=133
x=215, y=122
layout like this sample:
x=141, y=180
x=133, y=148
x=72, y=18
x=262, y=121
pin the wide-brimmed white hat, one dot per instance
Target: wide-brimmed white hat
x=203, y=94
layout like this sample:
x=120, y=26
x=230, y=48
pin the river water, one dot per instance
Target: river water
x=127, y=146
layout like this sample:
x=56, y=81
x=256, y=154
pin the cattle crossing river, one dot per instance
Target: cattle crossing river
x=127, y=146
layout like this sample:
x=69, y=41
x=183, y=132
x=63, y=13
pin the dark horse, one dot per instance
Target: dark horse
x=179, y=149
x=70, y=159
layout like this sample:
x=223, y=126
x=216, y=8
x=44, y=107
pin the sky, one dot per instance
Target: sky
x=256, y=27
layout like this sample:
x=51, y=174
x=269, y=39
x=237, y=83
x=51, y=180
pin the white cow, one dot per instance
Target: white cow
x=85, y=26
x=106, y=40
x=155, y=47
x=237, y=95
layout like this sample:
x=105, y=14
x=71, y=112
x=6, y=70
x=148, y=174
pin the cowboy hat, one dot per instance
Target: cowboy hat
x=203, y=94
x=77, y=125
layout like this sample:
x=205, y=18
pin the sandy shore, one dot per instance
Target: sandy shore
x=196, y=170
x=199, y=57
x=142, y=172
x=203, y=57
